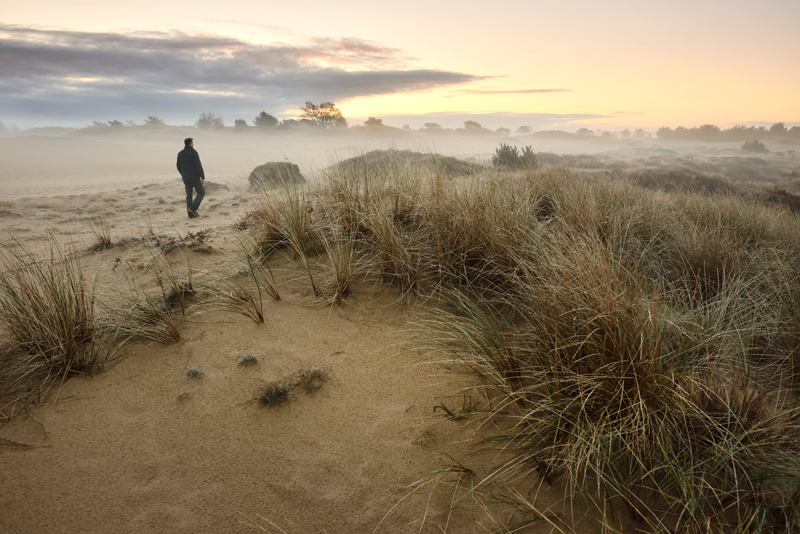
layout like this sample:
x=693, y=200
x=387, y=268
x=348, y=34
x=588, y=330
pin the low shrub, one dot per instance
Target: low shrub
x=247, y=360
x=510, y=157
x=194, y=372
x=755, y=146
x=275, y=173
x=273, y=394
x=311, y=379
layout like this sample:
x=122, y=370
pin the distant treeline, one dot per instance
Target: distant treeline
x=740, y=132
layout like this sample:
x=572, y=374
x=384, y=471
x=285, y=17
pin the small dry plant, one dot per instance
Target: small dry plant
x=273, y=394
x=102, y=233
x=244, y=293
x=279, y=391
x=142, y=315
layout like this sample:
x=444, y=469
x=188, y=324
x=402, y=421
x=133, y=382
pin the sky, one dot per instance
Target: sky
x=546, y=64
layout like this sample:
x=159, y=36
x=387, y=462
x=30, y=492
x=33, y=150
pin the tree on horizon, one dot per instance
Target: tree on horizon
x=209, y=121
x=325, y=114
x=265, y=120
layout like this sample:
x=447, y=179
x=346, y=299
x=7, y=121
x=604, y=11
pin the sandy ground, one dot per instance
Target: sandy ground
x=141, y=447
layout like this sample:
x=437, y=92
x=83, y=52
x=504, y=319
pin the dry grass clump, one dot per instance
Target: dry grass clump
x=48, y=308
x=286, y=222
x=638, y=346
x=102, y=233
x=273, y=394
x=311, y=379
x=681, y=179
x=140, y=313
x=194, y=372
x=247, y=360
x=378, y=162
x=51, y=328
x=279, y=391
x=244, y=293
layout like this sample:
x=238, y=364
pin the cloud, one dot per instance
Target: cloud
x=512, y=91
x=109, y=73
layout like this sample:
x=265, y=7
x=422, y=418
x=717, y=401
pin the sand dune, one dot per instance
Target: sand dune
x=141, y=447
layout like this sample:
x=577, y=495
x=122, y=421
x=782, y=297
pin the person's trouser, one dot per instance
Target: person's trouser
x=201, y=192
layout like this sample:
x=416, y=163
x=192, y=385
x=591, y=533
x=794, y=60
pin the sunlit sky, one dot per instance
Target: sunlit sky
x=555, y=64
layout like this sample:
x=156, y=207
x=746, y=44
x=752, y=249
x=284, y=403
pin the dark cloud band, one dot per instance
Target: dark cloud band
x=157, y=69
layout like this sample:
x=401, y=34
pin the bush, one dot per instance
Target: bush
x=778, y=128
x=209, y=121
x=510, y=157
x=754, y=146
x=275, y=173
x=152, y=120
x=240, y=125
x=265, y=120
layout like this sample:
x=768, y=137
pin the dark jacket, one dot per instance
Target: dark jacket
x=189, y=165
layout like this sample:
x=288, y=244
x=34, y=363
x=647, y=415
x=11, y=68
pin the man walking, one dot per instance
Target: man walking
x=193, y=177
